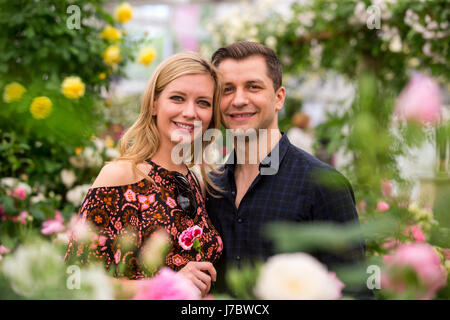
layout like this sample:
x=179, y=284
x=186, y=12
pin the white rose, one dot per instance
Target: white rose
x=68, y=177
x=77, y=194
x=296, y=276
x=396, y=44
x=13, y=183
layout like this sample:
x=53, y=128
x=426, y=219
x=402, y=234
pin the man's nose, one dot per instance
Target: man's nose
x=240, y=98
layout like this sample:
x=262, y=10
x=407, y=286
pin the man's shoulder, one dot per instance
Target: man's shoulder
x=318, y=171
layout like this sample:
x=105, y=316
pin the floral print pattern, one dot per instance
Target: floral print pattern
x=124, y=217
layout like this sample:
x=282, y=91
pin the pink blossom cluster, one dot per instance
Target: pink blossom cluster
x=187, y=237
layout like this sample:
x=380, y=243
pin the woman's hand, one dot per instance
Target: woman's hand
x=194, y=271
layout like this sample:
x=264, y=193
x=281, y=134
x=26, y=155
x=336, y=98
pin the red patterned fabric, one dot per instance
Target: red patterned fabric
x=132, y=213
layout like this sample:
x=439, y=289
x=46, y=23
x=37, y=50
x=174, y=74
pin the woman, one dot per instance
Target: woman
x=145, y=189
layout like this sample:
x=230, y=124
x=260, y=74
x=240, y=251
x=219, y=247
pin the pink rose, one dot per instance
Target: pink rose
x=51, y=226
x=382, y=206
x=420, y=100
x=423, y=260
x=416, y=233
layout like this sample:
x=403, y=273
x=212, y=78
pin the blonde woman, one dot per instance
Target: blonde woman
x=145, y=189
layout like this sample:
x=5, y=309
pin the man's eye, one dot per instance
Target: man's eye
x=176, y=98
x=227, y=90
x=254, y=87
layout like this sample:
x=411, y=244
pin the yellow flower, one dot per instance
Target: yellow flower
x=107, y=102
x=13, y=92
x=78, y=150
x=111, y=34
x=112, y=55
x=72, y=87
x=146, y=56
x=109, y=142
x=102, y=76
x=123, y=13
x=41, y=107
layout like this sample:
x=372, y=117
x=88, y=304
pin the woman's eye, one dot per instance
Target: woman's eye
x=204, y=103
x=176, y=98
x=227, y=90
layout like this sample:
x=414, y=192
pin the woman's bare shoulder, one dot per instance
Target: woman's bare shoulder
x=119, y=173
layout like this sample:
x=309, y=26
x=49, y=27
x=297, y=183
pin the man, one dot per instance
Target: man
x=282, y=184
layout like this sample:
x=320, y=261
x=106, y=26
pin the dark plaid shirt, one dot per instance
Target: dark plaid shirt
x=293, y=193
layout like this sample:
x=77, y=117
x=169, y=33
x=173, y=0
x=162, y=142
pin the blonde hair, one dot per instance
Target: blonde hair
x=141, y=141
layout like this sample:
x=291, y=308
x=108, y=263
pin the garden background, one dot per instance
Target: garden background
x=372, y=77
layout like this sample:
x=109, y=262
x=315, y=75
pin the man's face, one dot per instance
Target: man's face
x=249, y=100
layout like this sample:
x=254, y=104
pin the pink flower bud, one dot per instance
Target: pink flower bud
x=415, y=232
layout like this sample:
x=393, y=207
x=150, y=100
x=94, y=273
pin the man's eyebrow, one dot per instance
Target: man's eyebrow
x=247, y=82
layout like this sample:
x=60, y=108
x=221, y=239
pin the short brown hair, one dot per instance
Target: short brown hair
x=243, y=49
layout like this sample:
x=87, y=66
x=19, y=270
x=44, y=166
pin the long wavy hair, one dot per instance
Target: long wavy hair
x=141, y=141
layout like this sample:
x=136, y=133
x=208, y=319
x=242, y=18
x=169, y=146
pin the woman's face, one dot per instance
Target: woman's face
x=184, y=108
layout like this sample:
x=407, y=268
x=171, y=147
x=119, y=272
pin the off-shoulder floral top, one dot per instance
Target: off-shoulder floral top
x=133, y=212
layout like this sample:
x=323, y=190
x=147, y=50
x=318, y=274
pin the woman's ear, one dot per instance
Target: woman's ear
x=155, y=107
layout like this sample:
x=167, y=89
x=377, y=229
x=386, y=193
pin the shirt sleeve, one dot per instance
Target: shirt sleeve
x=334, y=201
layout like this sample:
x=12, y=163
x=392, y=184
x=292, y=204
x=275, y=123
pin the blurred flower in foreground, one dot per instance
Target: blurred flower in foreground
x=167, y=285
x=73, y=87
x=123, y=12
x=51, y=226
x=41, y=107
x=13, y=92
x=111, y=34
x=422, y=260
x=146, y=56
x=297, y=276
x=420, y=100
x=3, y=250
x=155, y=249
x=111, y=55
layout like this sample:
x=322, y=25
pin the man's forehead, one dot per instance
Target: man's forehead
x=252, y=68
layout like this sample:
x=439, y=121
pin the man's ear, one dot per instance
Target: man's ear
x=280, y=96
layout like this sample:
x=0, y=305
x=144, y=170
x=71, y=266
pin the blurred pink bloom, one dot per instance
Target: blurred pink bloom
x=22, y=217
x=382, y=206
x=4, y=250
x=339, y=285
x=361, y=207
x=391, y=243
x=51, y=226
x=416, y=233
x=2, y=214
x=420, y=100
x=423, y=259
x=446, y=253
x=167, y=285
x=386, y=188
x=19, y=193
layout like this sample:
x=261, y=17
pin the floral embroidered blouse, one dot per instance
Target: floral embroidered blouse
x=133, y=212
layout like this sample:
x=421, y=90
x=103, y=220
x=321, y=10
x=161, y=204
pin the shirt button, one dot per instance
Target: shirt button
x=238, y=258
x=239, y=220
x=233, y=193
